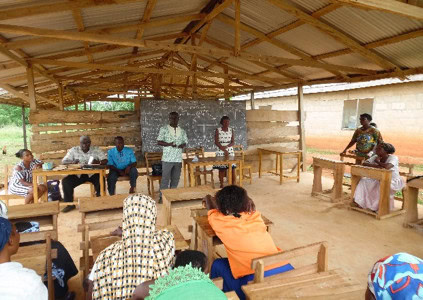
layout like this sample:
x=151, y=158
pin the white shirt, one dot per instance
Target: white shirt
x=17, y=283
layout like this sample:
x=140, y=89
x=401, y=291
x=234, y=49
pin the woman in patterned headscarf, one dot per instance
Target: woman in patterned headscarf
x=144, y=253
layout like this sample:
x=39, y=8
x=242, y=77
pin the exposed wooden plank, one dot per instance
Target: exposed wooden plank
x=272, y=115
x=390, y=6
x=335, y=33
x=237, y=42
x=45, y=116
x=301, y=116
x=148, y=10
x=31, y=88
x=88, y=204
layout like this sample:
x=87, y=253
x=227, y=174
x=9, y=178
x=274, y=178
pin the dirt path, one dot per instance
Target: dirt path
x=355, y=240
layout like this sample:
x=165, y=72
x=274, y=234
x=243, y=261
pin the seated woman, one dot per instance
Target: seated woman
x=242, y=230
x=396, y=277
x=63, y=267
x=144, y=253
x=367, y=192
x=186, y=281
x=21, y=181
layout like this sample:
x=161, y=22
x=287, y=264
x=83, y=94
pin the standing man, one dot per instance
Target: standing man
x=81, y=155
x=173, y=139
x=122, y=162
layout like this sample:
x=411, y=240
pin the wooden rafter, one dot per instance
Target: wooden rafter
x=76, y=12
x=389, y=6
x=145, y=19
x=237, y=27
x=334, y=33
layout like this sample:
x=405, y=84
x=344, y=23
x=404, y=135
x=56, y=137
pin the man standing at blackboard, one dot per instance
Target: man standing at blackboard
x=173, y=139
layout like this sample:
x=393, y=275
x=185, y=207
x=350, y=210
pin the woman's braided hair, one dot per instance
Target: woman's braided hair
x=232, y=199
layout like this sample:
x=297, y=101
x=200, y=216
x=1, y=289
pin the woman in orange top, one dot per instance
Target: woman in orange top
x=239, y=226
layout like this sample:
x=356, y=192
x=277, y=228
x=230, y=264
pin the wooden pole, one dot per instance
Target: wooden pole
x=24, y=127
x=252, y=101
x=31, y=88
x=301, y=118
x=60, y=87
x=226, y=82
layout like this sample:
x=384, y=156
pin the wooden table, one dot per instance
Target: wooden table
x=329, y=285
x=207, y=239
x=411, y=195
x=45, y=173
x=183, y=197
x=358, y=159
x=211, y=161
x=337, y=167
x=100, y=242
x=384, y=177
x=279, y=156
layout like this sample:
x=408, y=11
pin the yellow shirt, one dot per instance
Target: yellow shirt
x=244, y=238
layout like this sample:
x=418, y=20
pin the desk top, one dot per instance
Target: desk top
x=279, y=150
x=41, y=172
x=187, y=193
x=203, y=222
x=416, y=183
x=33, y=210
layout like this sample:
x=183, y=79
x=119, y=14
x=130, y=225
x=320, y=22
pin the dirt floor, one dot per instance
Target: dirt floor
x=355, y=240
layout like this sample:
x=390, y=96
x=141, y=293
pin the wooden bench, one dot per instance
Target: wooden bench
x=411, y=195
x=45, y=213
x=358, y=160
x=338, y=169
x=239, y=151
x=8, y=171
x=384, y=177
x=309, y=280
x=150, y=159
x=35, y=256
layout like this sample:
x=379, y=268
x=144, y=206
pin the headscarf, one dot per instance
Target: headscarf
x=144, y=253
x=185, y=283
x=399, y=276
x=5, y=231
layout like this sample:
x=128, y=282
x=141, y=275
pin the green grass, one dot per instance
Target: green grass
x=11, y=137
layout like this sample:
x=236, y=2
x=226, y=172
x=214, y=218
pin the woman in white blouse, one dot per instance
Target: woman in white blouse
x=367, y=193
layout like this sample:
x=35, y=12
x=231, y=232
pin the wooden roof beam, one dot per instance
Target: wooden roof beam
x=389, y=6
x=287, y=6
x=76, y=12
x=148, y=10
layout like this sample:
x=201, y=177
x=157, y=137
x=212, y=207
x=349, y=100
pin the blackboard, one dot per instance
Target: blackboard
x=199, y=118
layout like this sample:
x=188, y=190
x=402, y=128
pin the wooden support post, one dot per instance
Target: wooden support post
x=301, y=118
x=24, y=127
x=252, y=101
x=60, y=87
x=85, y=105
x=226, y=83
x=137, y=106
x=237, y=44
x=31, y=87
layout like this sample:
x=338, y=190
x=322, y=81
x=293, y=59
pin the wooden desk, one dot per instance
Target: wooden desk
x=207, y=239
x=279, y=156
x=183, y=197
x=211, y=161
x=337, y=167
x=329, y=285
x=384, y=176
x=45, y=174
x=411, y=195
x=100, y=242
x=43, y=213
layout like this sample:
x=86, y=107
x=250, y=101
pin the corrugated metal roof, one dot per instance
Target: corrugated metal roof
x=406, y=54
x=173, y=7
x=261, y=15
x=57, y=46
x=113, y=14
x=312, y=5
x=266, y=48
x=370, y=25
x=226, y=34
x=352, y=60
x=310, y=40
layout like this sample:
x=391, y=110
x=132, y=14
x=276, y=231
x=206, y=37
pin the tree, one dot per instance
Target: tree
x=12, y=115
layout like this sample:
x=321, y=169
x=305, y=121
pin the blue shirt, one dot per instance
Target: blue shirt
x=122, y=159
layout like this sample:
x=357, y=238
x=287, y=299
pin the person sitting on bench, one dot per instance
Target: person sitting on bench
x=187, y=280
x=234, y=218
x=367, y=193
x=16, y=282
x=21, y=181
x=144, y=253
x=396, y=277
x=81, y=155
x=121, y=162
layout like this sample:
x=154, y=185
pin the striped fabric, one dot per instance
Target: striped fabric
x=15, y=186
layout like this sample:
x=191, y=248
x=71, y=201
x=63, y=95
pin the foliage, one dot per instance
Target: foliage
x=12, y=115
x=105, y=106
